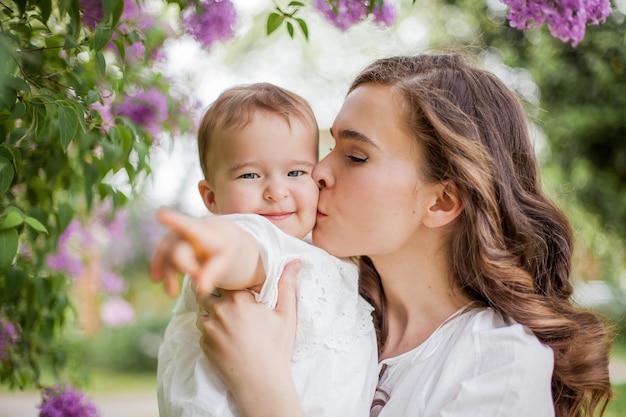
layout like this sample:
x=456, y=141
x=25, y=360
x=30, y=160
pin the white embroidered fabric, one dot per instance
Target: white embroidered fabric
x=334, y=364
x=331, y=313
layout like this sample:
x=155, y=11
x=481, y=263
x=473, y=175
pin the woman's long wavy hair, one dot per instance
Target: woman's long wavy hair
x=511, y=247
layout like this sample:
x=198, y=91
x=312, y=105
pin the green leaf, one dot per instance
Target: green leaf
x=65, y=213
x=15, y=280
x=17, y=83
x=110, y=153
x=303, y=27
x=121, y=48
x=79, y=110
x=296, y=4
x=274, y=20
x=102, y=65
x=8, y=247
x=68, y=124
x=11, y=220
x=290, y=29
x=6, y=174
x=92, y=97
x=102, y=37
x=46, y=8
x=70, y=43
x=18, y=111
x=36, y=224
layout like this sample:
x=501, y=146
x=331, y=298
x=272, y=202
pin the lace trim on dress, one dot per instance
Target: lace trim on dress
x=331, y=314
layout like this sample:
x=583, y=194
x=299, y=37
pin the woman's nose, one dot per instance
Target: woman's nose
x=321, y=174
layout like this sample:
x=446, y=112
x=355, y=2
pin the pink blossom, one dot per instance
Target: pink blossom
x=104, y=109
x=112, y=283
x=117, y=312
x=566, y=19
x=92, y=12
x=66, y=401
x=145, y=108
x=209, y=21
x=68, y=257
x=350, y=12
x=8, y=337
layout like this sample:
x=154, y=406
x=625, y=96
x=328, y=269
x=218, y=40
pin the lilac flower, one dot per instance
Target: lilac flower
x=65, y=401
x=209, y=21
x=112, y=283
x=104, y=109
x=116, y=312
x=68, y=258
x=145, y=108
x=137, y=14
x=566, y=19
x=92, y=12
x=8, y=338
x=351, y=12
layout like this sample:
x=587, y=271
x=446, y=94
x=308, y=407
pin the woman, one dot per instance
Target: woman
x=433, y=182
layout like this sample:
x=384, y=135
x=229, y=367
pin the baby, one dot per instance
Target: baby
x=257, y=146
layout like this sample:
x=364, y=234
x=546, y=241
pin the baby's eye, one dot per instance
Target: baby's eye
x=295, y=173
x=249, y=176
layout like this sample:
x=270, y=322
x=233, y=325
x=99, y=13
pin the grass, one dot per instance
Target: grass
x=103, y=381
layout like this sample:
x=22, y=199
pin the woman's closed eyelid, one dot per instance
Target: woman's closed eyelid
x=357, y=159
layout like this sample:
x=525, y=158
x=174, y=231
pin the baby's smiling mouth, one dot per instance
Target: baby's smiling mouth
x=277, y=216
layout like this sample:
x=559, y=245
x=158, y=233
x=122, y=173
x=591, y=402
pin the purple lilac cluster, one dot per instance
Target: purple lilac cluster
x=66, y=401
x=117, y=312
x=92, y=12
x=107, y=237
x=146, y=108
x=138, y=19
x=209, y=21
x=8, y=338
x=566, y=19
x=350, y=12
x=67, y=259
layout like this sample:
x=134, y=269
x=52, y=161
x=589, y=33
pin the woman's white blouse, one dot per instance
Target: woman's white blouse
x=477, y=364
x=334, y=364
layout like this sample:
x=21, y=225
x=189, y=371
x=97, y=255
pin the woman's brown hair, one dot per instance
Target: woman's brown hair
x=511, y=247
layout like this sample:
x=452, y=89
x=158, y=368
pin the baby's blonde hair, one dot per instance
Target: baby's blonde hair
x=236, y=107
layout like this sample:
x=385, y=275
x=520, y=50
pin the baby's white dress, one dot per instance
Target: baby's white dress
x=335, y=362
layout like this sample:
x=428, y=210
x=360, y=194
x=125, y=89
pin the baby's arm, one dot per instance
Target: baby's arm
x=213, y=251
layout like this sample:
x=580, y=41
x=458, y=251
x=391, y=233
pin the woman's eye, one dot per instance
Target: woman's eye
x=249, y=176
x=295, y=173
x=357, y=160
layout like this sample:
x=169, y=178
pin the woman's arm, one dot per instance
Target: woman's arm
x=213, y=251
x=251, y=347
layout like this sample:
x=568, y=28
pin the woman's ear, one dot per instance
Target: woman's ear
x=208, y=196
x=446, y=207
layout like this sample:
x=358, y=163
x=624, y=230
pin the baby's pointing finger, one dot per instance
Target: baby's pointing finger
x=182, y=224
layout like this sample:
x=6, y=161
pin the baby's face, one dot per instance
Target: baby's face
x=266, y=169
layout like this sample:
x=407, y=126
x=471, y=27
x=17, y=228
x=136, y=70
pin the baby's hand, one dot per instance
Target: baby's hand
x=174, y=255
x=213, y=251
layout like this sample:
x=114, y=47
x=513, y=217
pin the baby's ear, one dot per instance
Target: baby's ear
x=447, y=205
x=208, y=196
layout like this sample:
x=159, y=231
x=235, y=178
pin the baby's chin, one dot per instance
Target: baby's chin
x=298, y=231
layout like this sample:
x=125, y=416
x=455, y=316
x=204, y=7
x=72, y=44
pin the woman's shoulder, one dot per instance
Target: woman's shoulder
x=485, y=331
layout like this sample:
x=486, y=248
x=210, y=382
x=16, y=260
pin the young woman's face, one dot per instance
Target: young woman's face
x=371, y=195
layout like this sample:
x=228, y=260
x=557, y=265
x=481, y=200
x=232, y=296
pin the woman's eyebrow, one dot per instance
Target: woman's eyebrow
x=353, y=135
